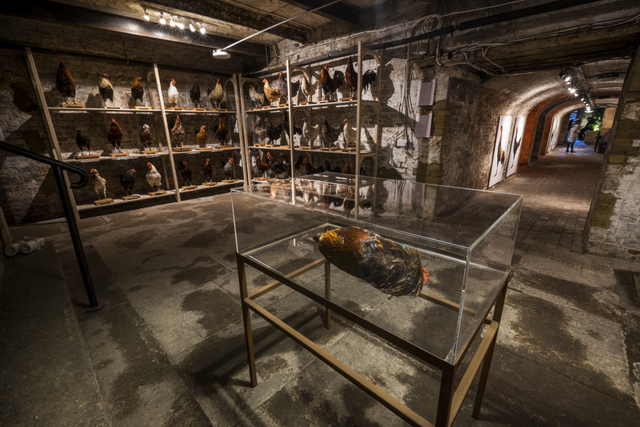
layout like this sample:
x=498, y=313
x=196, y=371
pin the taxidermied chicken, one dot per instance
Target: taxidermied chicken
x=368, y=78
x=82, y=140
x=98, y=183
x=348, y=133
x=351, y=78
x=216, y=95
x=307, y=88
x=274, y=133
x=263, y=168
x=327, y=167
x=274, y=165
x=255, y=97
x=186, y=173
x=207, y=171
x=285, y=126
x=390, y=267
x=347, y=169
x=194, y=94
x=137, y=91
x=177, y=133
x=221, y=132
x=329, y=84
x=114, y=136
x=280, y=84
x=228, y=169
x=308, y=168
x=128, y=181
x=329, y=134
x=106, y=89
x=309, y=133
x=273, y=95
x=286, y=164
x=202, y=137
x=64, y=82
x=172, y=94
x=146, y=137
x=153, y=177
x=260, y=133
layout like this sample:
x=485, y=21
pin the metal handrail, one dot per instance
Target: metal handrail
x=58, y=168
x=84, y=176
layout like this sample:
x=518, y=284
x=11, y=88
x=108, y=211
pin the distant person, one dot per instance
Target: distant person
x=573, y=134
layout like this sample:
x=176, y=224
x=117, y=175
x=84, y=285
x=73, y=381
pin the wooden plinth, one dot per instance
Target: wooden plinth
x=306, y=103
x=323, y=102
x=228, y=181
x=197, y=109
x=261, y=179
x=330, y=149
x=126, y=154
x=283, y=105
x=142, y=107
x=178, y=149
x=268, y=106
x=132, y=197
x=346, y=99
x=204, y=148
x=218, y=109
x=210, y=184
x=348, y=150
x=103, y=202
x=74, y=106
x=150, y=152
x=305, y=148
x=189, y=187
x=284, y=147
x=112, y=107
x=268, y=145
x=224, y=147
x=157, y=193
x=176, y=108
x=88, y=156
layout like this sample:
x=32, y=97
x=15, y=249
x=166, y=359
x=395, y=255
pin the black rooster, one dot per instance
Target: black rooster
x=83, y=140
x=187, y=175
x=329, y=134
x=128, y=181
x=194, y=94
x=227, y=169
x=329, y=84
x=137, y=91
x=273, y=132
x=274, y=165
x=207, y=171
x=368, y=78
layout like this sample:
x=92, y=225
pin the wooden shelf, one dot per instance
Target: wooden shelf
x=313, y=150
x=352, y=103
x=192, y=112
x=131, y=156
x=119, y=205
x=101, y=110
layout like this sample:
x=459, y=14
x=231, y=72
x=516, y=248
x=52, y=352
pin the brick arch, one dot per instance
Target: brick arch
x=529, y=130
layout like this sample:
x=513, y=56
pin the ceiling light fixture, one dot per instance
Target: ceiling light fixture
x=191, y=27
x=146, y=15
x=222, y=54
x=572, y=90
x=172, y=23
x=162, y=20
x=203, y=29
x=180, y=25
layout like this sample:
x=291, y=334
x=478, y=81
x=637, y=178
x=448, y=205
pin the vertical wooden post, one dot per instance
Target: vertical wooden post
x=167, y=133
x=356, y=196
x=48, y=123
x=291, y=150
x=446, y=396
x=243, y=114
x=327, y=293
x=246, y=317
x=241, y=134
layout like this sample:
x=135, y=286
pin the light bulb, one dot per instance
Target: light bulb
x=567, y=79
x=572, y=90
x=202, y=30
x=192, y=28
x=575, y=94
x=181, y=25
x=146, y=16
x=163, y=21
x=172, y=23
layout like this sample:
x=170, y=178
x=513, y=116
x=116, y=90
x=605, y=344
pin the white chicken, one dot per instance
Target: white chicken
x=348, y=133
x=153, y=177
x=216, y=96
x=172, y=94
x=98, y=183
x=307, y=88
x=309, y=133
x=255, y=97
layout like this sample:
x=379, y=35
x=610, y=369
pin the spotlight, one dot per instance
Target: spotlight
x=572, y=90
x=567, y=79
x=575, y=94
x=582, y=99
x=162, y=20
x=146, y=15
x=180, y=25
x=202, y=29
x=192, y=28
x=172, y=23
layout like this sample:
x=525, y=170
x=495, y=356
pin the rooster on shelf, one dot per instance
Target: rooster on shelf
x=202, y=137
x=98, y=183
x=186, y=173
x=207, y=171
x=331, y=84
x=82, y=141
x=274, y=133
x=137, y=91
x=386, y=265
x=64, y=82
x=256, y=98
x=227, y=169
x=146, y=137
x=216, y=95
x=177, y=133
x=154, y=179
x=114, y=136
x=194, y=94
x=172, y=94
x=273, y=95
x=106, y=89
x=128, y=181
x=220, y=132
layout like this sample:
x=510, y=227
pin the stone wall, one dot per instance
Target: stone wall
x=614, y=221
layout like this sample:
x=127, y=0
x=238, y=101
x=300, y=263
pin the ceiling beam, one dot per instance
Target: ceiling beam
x=340, y=11
x=237, y=16
x=74, y=16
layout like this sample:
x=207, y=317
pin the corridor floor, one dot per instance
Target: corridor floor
x=557, y=190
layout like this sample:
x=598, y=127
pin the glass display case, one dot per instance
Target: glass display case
x=464, y=238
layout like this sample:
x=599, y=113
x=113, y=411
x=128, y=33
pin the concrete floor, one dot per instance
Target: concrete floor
x=168, y=348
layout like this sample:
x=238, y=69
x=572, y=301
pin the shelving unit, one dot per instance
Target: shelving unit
x=158, y=115
x=308, y=109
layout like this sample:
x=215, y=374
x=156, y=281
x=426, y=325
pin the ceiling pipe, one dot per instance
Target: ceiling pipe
x=463, y=26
